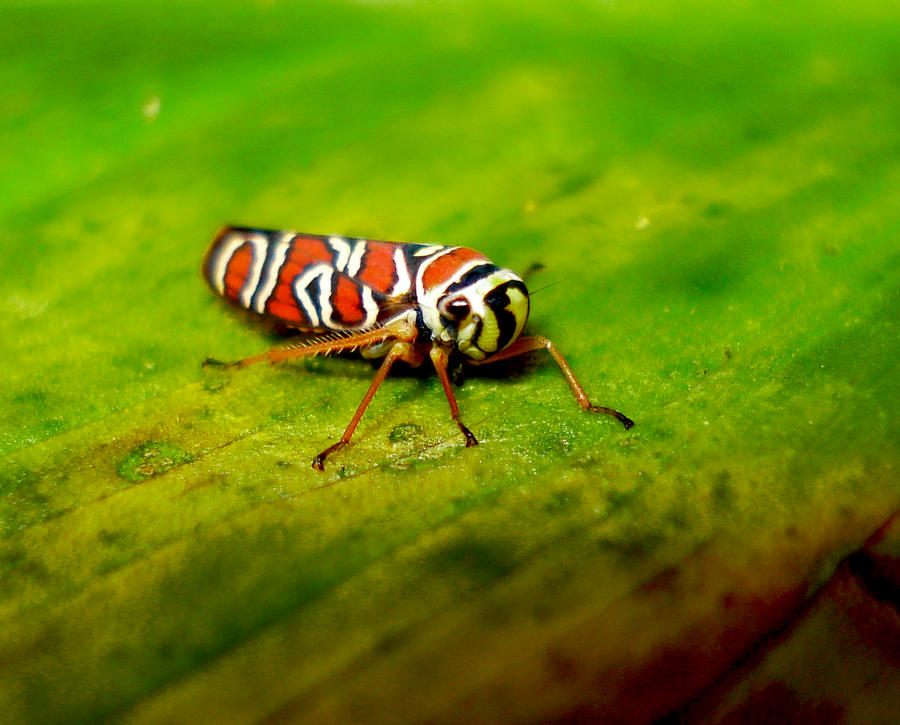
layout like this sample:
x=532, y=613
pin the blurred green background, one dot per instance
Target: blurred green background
x=713, y=190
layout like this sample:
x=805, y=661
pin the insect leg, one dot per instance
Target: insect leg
x=530, y=344
x=403, y=332
x=400, y=351
x=439, y=357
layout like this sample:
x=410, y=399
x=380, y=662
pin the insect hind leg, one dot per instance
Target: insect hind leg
x=402, y=331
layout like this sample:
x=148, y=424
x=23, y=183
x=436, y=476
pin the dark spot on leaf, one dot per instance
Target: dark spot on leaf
x=561, y=501
x=31, y=396
x=404, y=432
x=12, y=556
x=632, y=547
x=389, y=643
x=15, y=565
x=108, y=537
x=573, y=184
x=722, y=492
x=619, y=499
x=461, y=504
x=666, y=581
x=51, y=427
x=482, y=561
x=713, y=275
x=279, y=416
x=716, y=210
x=561, y=666
x=215, y=384
x=15, y=480
x=757, y=132
x=151, y=459
x=678, y=517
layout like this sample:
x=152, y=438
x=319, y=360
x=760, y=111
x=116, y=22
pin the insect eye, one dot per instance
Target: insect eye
x=458, y=309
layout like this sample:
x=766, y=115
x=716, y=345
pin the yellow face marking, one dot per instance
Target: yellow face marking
x=490, y=331
x=518, y=306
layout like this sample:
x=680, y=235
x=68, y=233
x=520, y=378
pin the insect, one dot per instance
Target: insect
x=387, y=300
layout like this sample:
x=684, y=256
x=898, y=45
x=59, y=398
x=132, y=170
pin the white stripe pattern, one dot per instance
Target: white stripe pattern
x=221, y=258
x=267, y=284
x=355, y=262
x=323, y=272
x=403, y=283
x=342, y=247
x=260, y=246
x=430, y=249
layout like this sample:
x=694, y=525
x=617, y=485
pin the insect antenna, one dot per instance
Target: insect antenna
x=532, y=293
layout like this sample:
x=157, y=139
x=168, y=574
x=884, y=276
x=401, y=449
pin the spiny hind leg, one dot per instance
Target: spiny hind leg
x=530, y=344
x=401, y=331
x=400, y=351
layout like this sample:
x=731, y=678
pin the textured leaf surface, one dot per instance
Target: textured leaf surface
x=713, y=194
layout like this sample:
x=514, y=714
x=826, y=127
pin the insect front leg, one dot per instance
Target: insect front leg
x=400, y=351
x=440, y=357
x=530, y=344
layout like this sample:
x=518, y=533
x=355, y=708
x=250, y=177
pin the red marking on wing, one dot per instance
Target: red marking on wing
x=379, y=271
x=346, y=302
x=237, y=269
x=287, y=312
x=304, y=252
x=443, y=268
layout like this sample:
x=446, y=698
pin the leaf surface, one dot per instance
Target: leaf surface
x=712, y=192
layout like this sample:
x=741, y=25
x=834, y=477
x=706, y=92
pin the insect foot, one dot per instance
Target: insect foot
x=623, y=419
x=213, y=362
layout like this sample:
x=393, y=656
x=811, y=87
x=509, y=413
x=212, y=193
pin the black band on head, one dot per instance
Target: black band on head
x=474, y=275
x=498, y=301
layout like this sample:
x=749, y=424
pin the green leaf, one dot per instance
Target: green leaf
x=712, y=193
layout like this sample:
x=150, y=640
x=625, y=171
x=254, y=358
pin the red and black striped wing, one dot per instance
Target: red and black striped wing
x=311, y=282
